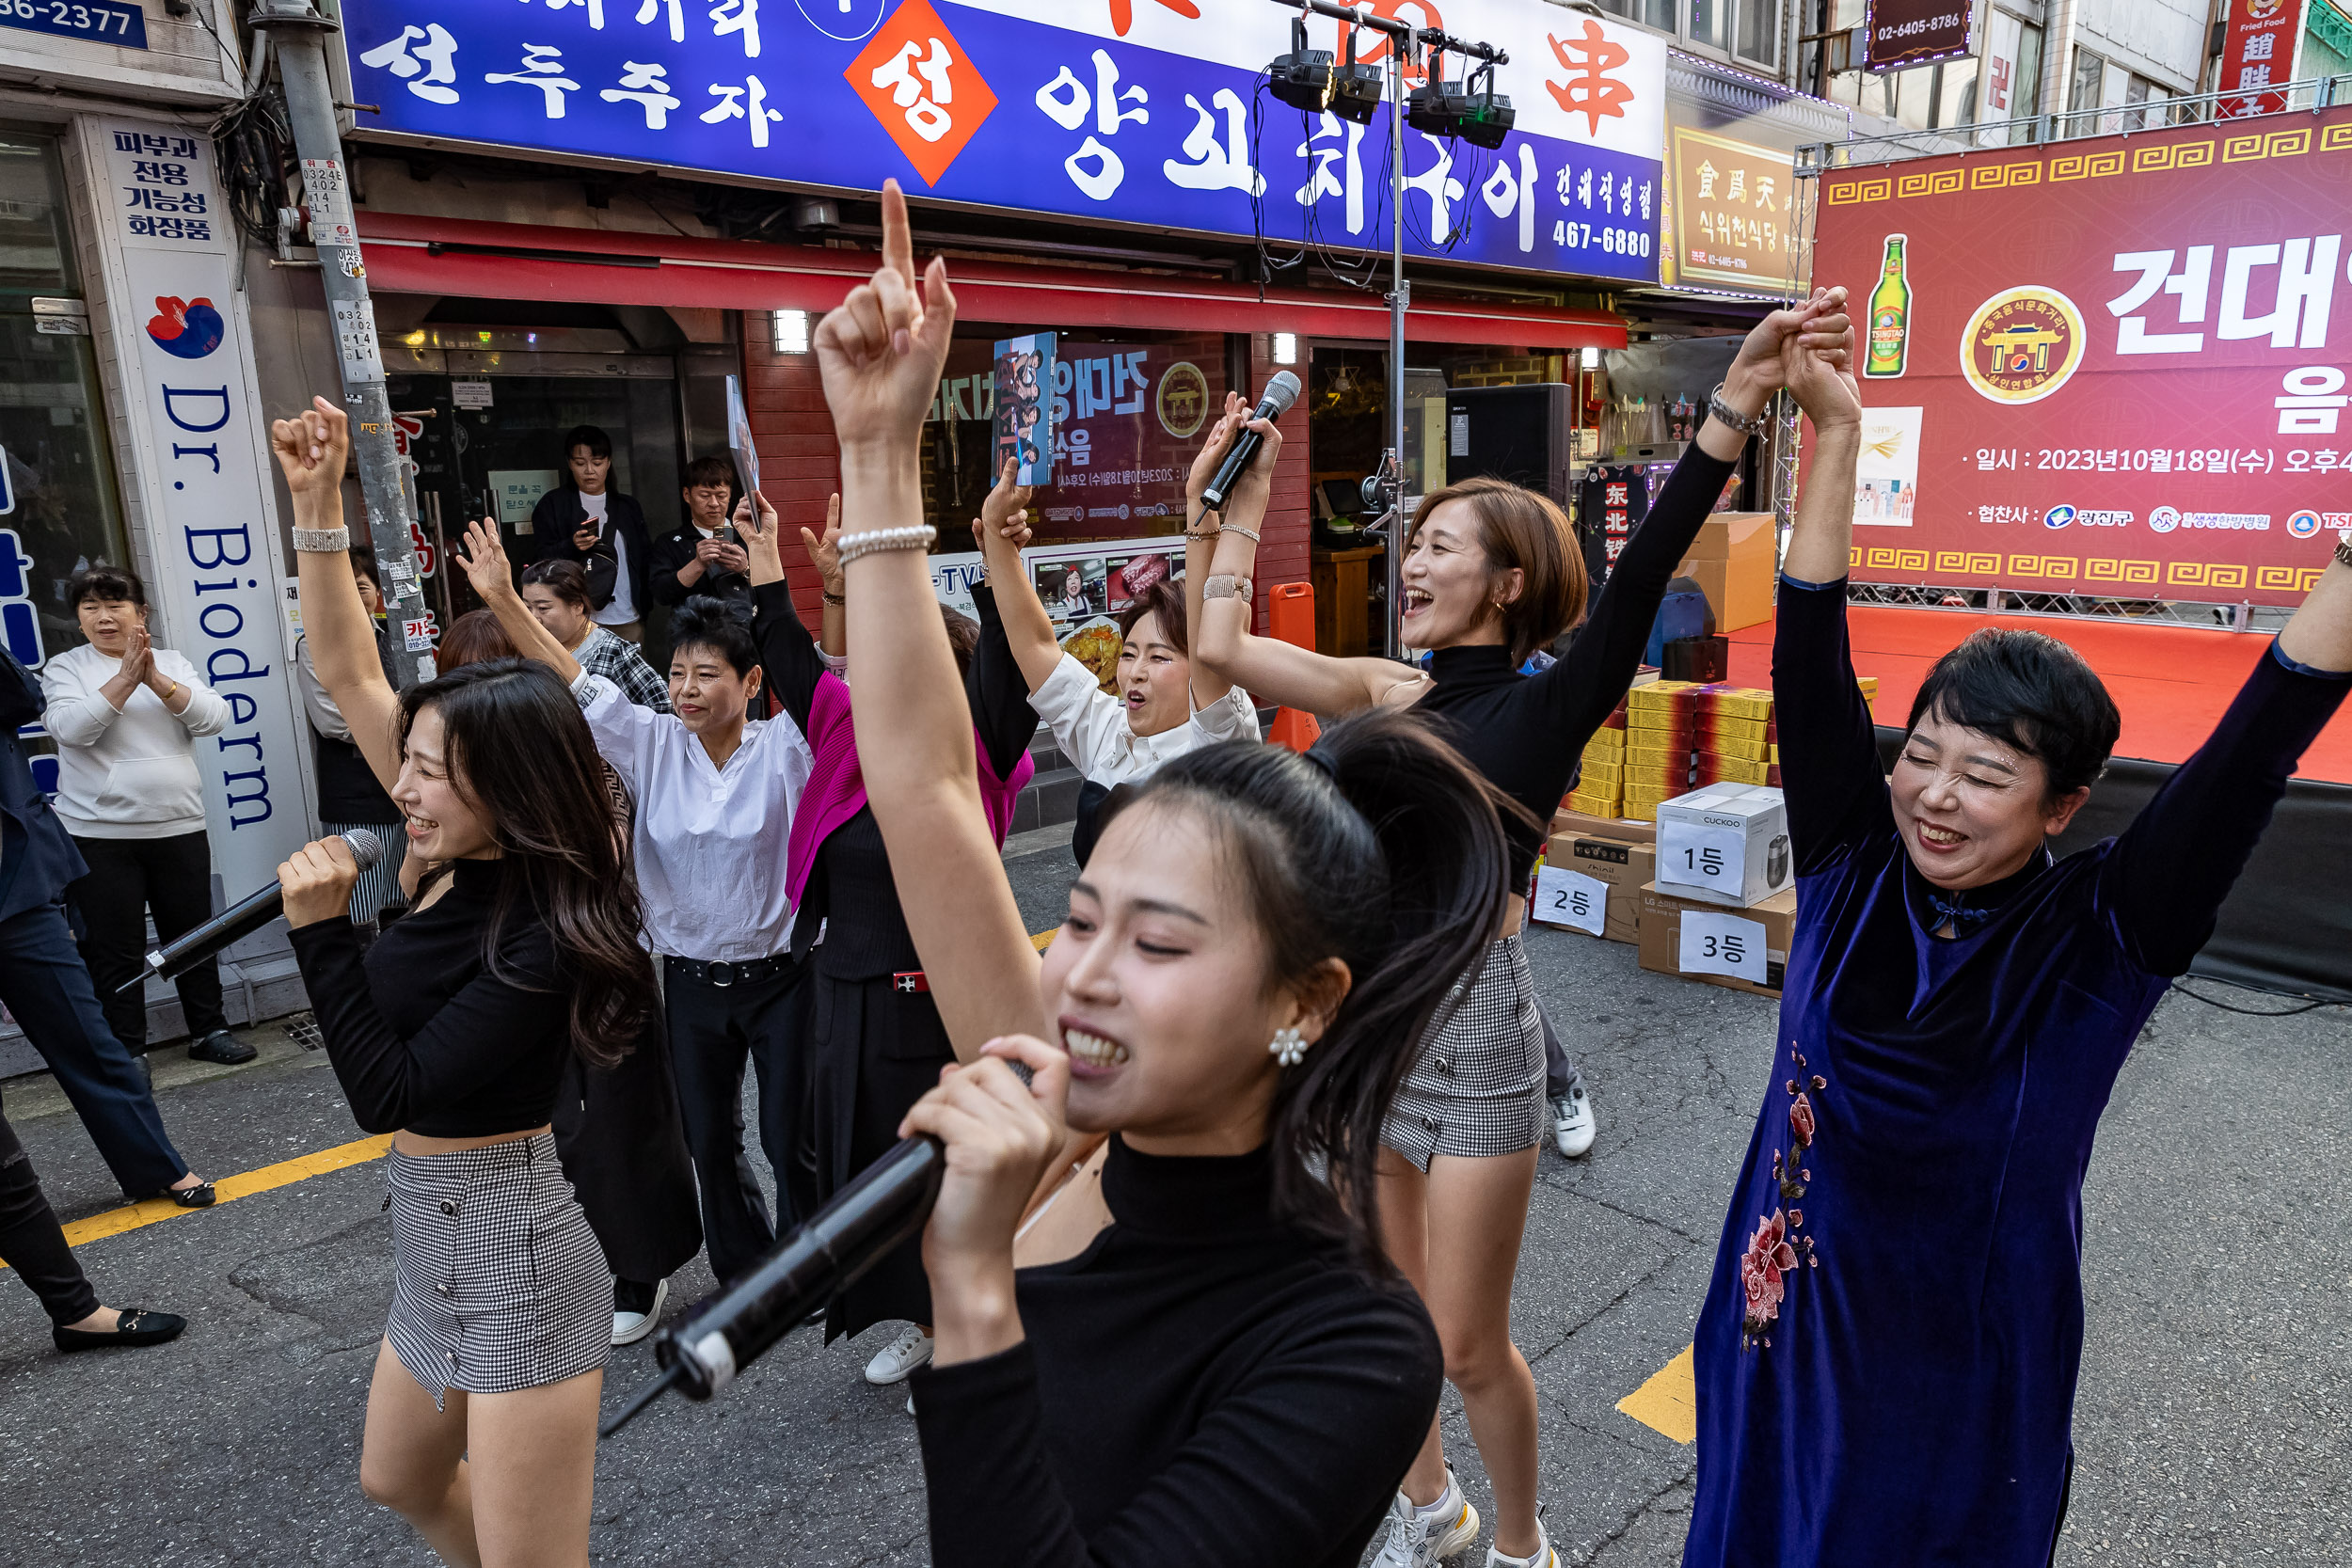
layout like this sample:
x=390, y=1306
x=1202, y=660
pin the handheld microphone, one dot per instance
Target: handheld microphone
x=888, y=1203
x=241, y=919
x=1281, y=393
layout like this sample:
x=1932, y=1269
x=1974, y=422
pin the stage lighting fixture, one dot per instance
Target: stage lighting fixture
x=1489, y=115
x=1302, y=78
x=1356, y=90
x=1437, y=107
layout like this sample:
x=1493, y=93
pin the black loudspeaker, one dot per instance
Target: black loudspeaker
x=1526, y=434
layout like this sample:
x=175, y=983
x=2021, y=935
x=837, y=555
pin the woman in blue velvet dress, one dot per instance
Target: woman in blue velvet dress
x=1888, y=1355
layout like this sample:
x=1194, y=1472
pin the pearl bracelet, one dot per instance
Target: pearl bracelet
x=914, y=537
x=322, y=541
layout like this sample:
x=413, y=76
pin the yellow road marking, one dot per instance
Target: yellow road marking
x=1668, y=1402
x=154, y=1211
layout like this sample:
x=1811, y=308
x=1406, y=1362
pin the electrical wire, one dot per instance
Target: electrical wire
x=2309, y=1006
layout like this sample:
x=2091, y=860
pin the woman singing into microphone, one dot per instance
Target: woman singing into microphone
x=455, y=1029
x=1205, y=1359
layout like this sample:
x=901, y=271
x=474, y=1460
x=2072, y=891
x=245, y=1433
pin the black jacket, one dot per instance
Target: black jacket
x=672, y=554
x=558, y=514
x=37, y=855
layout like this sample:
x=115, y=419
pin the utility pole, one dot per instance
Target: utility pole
x=298, y=34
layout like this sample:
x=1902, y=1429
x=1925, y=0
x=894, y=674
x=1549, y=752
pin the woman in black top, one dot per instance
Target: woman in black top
x=1491, y=574
x=875, y=1040
x=1208, y=1361
x=452, y=1032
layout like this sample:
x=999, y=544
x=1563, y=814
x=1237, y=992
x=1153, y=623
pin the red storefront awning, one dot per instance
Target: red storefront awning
x=410, y=254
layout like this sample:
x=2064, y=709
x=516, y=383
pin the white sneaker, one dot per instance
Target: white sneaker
x=630, y=1327
x=900, y=1358
x=1420, y=1539
x=1572, y=1123
x=1542, y=1557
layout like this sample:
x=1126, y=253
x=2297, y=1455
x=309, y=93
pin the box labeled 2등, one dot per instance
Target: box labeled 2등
x=1725, y=844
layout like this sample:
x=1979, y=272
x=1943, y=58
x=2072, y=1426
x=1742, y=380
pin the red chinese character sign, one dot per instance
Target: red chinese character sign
x=2257, y=49
x=2111, y=367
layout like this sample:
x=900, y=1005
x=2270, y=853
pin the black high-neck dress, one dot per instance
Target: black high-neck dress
x=1204, y=1384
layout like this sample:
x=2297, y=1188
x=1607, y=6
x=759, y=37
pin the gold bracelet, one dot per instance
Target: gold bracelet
x=1203, y=538
x=170, y=694
x=831, y=597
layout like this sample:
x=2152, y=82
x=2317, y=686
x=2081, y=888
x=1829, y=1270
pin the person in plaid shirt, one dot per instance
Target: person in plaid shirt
x=557, y=594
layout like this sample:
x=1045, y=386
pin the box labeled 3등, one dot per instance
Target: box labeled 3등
x=1725, y=844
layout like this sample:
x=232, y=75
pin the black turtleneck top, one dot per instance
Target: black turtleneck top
x=422, y=1035
x=1527, y=733
x=1204, y=1384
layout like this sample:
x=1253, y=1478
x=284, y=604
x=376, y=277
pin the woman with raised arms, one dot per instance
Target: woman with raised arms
x=1887, y=1353
x=1208, y=1361
x=1491, y=573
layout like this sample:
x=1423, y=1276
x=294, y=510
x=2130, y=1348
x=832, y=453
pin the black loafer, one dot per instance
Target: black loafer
x=222, y=1047
x=199, y=1197
x=136, y=1327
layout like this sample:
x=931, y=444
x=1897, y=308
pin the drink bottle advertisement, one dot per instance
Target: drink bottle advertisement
x=2113, y=366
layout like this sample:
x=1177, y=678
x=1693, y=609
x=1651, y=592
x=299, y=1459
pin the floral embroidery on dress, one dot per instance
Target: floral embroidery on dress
x=1774, y=1251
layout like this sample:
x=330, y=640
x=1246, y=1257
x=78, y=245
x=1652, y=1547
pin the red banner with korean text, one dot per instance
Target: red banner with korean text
x=2112, y=367
x=2257, y=49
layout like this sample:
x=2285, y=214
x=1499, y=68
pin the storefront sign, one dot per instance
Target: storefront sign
x=20, y=626
x=115, y=21
x=1100, y=110
x=2257, y=48
x=1733, y=205
x=191, y=412
x=2112, y=367
x=1904, y=33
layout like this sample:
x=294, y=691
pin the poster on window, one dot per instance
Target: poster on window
x=2140, y=391
x=1024, y=407
x=1085, y=588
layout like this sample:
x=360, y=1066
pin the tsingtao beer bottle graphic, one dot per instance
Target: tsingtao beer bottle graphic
x=1890, y=315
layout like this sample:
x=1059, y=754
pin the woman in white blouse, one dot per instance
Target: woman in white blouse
x=715, y=792
x=126, y=714
x=1166, y=705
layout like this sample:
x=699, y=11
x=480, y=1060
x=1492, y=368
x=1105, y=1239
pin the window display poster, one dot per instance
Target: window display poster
x=1125, y=422
x=1084, y=588
x=2139, y=393
x=1024, y=407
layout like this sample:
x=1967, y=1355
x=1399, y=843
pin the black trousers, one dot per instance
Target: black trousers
x=44, y=983
x=713, y=1031
x=127, y=877
x=30, y=1241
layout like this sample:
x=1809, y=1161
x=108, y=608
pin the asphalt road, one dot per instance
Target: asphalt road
x=2211, y=1423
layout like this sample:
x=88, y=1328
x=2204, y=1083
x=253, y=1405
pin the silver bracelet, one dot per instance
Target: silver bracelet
x=322, y=541
x=1745, y=425
x=1226, y=586
x=1249, y=534
x=918, y=536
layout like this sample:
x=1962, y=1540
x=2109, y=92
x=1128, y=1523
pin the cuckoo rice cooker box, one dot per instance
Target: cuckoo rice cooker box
x=1725, y=844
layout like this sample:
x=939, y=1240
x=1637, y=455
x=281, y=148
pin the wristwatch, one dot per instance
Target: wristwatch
x=2344, y=546
x=1722, y=413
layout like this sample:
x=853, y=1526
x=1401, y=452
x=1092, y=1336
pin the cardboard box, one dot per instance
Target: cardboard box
x=1717, y=770
x=1731, y=746
x=1723, y=843
x=1625, y=866
x=1660, y=937
x=1572, y=821
x=1740, y=592
x=1751, y=704
x=1657, y=697
x=1729, y=536
x=1596, y=771
x=1604, y=806
x=1643, y=759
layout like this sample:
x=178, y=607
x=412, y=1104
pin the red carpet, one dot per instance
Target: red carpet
x=2170, y=682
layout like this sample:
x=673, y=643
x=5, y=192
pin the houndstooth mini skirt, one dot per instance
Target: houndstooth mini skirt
x=498, y=1282
x=1476, y=1089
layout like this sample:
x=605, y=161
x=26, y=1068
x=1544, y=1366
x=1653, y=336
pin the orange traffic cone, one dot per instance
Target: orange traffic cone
x=1290, y=613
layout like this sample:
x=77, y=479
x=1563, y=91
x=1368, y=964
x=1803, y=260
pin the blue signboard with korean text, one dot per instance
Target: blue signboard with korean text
x=115, y=21
x=1149, y=113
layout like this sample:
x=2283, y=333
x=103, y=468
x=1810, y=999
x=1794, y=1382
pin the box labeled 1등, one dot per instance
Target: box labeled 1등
x=1725, y=844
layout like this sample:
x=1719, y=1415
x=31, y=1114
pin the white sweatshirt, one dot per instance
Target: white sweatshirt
x=130, y=774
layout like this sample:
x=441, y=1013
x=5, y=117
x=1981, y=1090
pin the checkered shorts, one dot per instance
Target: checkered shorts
x=1477, y=1088
x=498, y=1282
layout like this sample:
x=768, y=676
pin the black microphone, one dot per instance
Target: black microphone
x=1281, y=393
x=241, y=919
x=887, y=1204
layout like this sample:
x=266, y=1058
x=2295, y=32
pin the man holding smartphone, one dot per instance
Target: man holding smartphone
x=702, y=558
x=586, y=520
